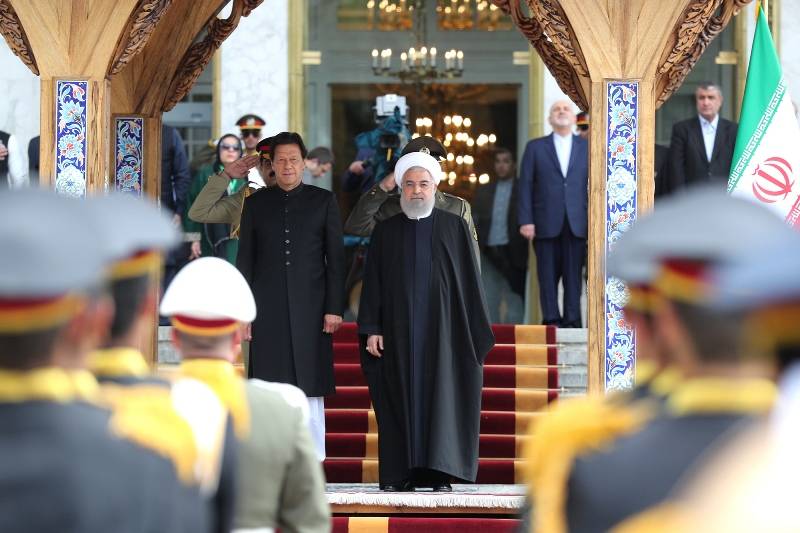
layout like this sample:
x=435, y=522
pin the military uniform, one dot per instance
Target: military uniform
x=252, y=123
x=281, y=483
x=69, y=464
x=622, y=459
x=377, y=205
x=186, y=422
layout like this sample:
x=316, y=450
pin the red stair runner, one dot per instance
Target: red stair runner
x=402, y=524
x=520, y=380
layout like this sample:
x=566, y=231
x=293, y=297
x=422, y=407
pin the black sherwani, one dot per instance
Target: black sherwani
x=422, y=292
x=292, y=254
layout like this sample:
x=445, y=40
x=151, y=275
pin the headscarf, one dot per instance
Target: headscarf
x=417, y=159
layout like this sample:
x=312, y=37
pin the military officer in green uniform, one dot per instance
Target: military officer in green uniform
x=382, y=201
x=69, y=464
x=281, y=483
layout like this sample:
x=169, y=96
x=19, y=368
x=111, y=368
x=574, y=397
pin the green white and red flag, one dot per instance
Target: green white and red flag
x=766, y=160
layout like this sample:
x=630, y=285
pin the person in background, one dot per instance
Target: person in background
x=175, y=183
x=214, y=239
x=250, y=127
x=318, y=163
x=553, y=213
x=582, y=124
x=701, y=148
x=33, y=160
x=13, y=167
x=504, y=252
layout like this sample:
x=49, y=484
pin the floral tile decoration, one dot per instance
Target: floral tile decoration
x=622, y=134
x=129, y=155
x=70, y=160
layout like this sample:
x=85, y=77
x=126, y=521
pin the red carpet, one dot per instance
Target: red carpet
x=520, y=380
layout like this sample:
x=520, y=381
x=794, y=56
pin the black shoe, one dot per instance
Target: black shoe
x=442, y=487
x=404, y=486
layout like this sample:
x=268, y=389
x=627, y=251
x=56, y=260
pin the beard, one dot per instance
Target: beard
x=417, y=208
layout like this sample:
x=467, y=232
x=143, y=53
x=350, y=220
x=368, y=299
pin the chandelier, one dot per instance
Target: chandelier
x=421, y=62
x=462, y=149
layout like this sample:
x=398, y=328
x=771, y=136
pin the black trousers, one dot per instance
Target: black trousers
x=560, y=259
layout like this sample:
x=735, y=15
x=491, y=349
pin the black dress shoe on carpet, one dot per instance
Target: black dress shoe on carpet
x=442, y=487
x=405, y=486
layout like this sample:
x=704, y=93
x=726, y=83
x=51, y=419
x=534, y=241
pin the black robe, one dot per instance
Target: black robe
x=291, y=253
x=422, y=292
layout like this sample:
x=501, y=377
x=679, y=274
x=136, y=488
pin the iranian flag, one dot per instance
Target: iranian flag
x=766, y=160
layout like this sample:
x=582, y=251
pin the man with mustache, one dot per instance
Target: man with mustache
x=425, y=333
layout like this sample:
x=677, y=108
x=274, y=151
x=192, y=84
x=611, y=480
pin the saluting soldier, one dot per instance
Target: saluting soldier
x=68, y=463
x=382, y=201
x=280, y=479
x=188, y=424
x=639, y=452
x=212, y=205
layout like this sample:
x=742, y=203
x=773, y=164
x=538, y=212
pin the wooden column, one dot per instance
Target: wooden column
x=73, y=42
x=620, y=60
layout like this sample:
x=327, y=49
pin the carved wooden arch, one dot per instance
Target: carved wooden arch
x=14, y=34
x=199, y=54
x=694, y=31
x=550, y=33
x=141, y=24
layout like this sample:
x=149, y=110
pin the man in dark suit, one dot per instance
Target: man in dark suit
x=553, y=203
x=701, y=148
x=504, y=252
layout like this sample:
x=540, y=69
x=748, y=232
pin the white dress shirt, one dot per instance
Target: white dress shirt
x=563, y=146
x=709, y=133
x=17, y=165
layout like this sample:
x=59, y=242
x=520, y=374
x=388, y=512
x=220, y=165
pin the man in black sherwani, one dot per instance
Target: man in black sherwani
x=424, y=333
x=291, y=253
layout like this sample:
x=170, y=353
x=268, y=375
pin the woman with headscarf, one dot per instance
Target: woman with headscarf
x=215, y=239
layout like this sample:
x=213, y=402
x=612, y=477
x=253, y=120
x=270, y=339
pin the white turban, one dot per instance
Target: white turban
x=417, y=159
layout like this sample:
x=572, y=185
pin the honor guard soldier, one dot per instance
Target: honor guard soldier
x=187, y=421
x=591, y=480
x=761, y=465
x=68, y=463
x=382, y=201
x=280, y=480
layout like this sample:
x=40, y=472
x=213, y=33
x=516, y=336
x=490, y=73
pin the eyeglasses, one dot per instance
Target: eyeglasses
x=226, y=146
x=583, y=127
x=250, y=133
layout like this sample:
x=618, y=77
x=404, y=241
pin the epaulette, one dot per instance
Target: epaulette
x=146, y=416
x=573, y=427
x=723, y=395
x=221, y=377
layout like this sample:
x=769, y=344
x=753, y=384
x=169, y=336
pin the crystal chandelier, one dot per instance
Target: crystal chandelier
x=421, y=62
x=462, y=148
